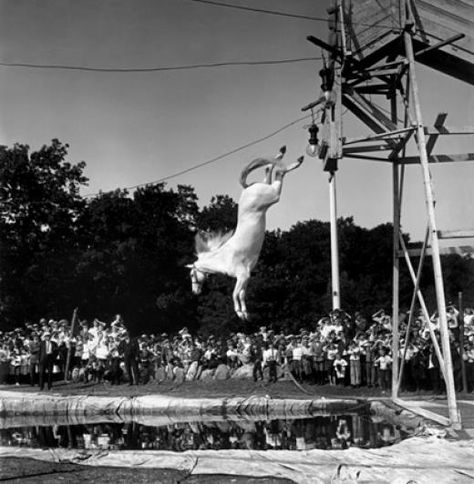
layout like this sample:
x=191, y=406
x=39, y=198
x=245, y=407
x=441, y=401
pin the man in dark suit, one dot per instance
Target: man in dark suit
x=130, y=350
x=47, y=355
x=34, y=357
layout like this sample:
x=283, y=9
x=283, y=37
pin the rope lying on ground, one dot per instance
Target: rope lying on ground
x=292, y=378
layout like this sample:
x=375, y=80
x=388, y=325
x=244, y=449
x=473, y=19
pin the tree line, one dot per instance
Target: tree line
x=122, y=252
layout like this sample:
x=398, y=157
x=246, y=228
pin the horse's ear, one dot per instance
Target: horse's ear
x=189, y=266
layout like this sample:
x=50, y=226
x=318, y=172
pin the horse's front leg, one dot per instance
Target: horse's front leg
x=242, y=294
x=236, y=295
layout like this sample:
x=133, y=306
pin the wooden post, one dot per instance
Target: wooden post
x=424, y=309
x=334, y=115
x=395, y=262
x=413, y=302
x=461, y=341
x=336, y=298
x=454, y=415
x=68, y=358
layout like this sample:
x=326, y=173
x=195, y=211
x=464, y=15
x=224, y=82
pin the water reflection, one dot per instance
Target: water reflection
x=334, y=432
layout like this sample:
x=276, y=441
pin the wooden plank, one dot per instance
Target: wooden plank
x=439, y=121
x=410, y=160
x=463, y=251
x=456, y=234
x=436, y=417
x=312, y=105
x=367, y=157
x=323, y=45
x=368, y=113
x=371, y=88
x=440, y=44
x=372, y=137
x=454, y=130
x=364, y=149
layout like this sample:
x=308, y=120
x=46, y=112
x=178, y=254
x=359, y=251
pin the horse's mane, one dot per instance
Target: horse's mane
x=209, y=241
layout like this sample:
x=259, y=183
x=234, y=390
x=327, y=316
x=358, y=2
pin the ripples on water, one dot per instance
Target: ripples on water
x=328, y=432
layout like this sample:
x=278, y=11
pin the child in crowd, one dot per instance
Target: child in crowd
x=340, y=365
x=383, y=362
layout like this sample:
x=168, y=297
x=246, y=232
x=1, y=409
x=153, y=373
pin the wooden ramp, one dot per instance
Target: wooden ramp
x=437, y=409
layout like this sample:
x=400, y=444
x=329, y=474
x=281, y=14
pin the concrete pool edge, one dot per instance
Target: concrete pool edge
x=18, y=403
x=29, y=406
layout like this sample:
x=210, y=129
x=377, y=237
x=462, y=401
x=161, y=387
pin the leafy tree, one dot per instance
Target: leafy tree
x=219, y=215
x=134, y=250
x=40, y=204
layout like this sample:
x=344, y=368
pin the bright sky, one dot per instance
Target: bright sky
x=133, y=128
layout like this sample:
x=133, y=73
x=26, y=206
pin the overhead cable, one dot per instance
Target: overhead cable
x=208, y=162
x=282, y=14
x=157, y=69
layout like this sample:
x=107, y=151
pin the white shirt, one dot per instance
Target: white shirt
x=384, y=362
x=270, y=355
x=297, y=353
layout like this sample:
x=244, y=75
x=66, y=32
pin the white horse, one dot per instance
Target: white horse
x=236, y=253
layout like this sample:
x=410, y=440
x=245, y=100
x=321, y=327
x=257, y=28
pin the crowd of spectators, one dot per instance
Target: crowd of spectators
x=337, y=350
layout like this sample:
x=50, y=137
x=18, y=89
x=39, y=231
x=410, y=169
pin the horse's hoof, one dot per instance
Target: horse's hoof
x=300, y=159
x=283, y=150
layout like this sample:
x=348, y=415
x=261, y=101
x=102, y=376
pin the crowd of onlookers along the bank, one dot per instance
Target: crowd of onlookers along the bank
x=336, y=350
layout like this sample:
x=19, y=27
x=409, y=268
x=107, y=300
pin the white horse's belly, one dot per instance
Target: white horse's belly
x=248, y=238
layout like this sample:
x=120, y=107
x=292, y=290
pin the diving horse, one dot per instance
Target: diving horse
x=236, y=253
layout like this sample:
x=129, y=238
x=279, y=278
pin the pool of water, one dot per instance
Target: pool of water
x=257, y=433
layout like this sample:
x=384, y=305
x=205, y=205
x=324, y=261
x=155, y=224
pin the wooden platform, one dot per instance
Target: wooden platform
x=374, y=28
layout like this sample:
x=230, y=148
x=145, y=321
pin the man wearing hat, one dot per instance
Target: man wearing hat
x=34, y=348
x=48, y=352
x=130, y=350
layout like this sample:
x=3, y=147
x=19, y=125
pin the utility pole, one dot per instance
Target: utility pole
x=330, y=148
x=336, y=293
x=332, y=89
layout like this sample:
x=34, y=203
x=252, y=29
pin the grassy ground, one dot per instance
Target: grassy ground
x=29, y=471
x=226, y=388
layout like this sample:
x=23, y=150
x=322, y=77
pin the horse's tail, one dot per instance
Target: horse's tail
x=258, y=163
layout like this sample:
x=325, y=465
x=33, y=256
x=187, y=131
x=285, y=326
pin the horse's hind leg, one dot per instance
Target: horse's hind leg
x=268, y=174
x=281, y=171
x=271, y=166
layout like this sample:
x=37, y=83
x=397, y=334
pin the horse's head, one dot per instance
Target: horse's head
x=197, y=278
